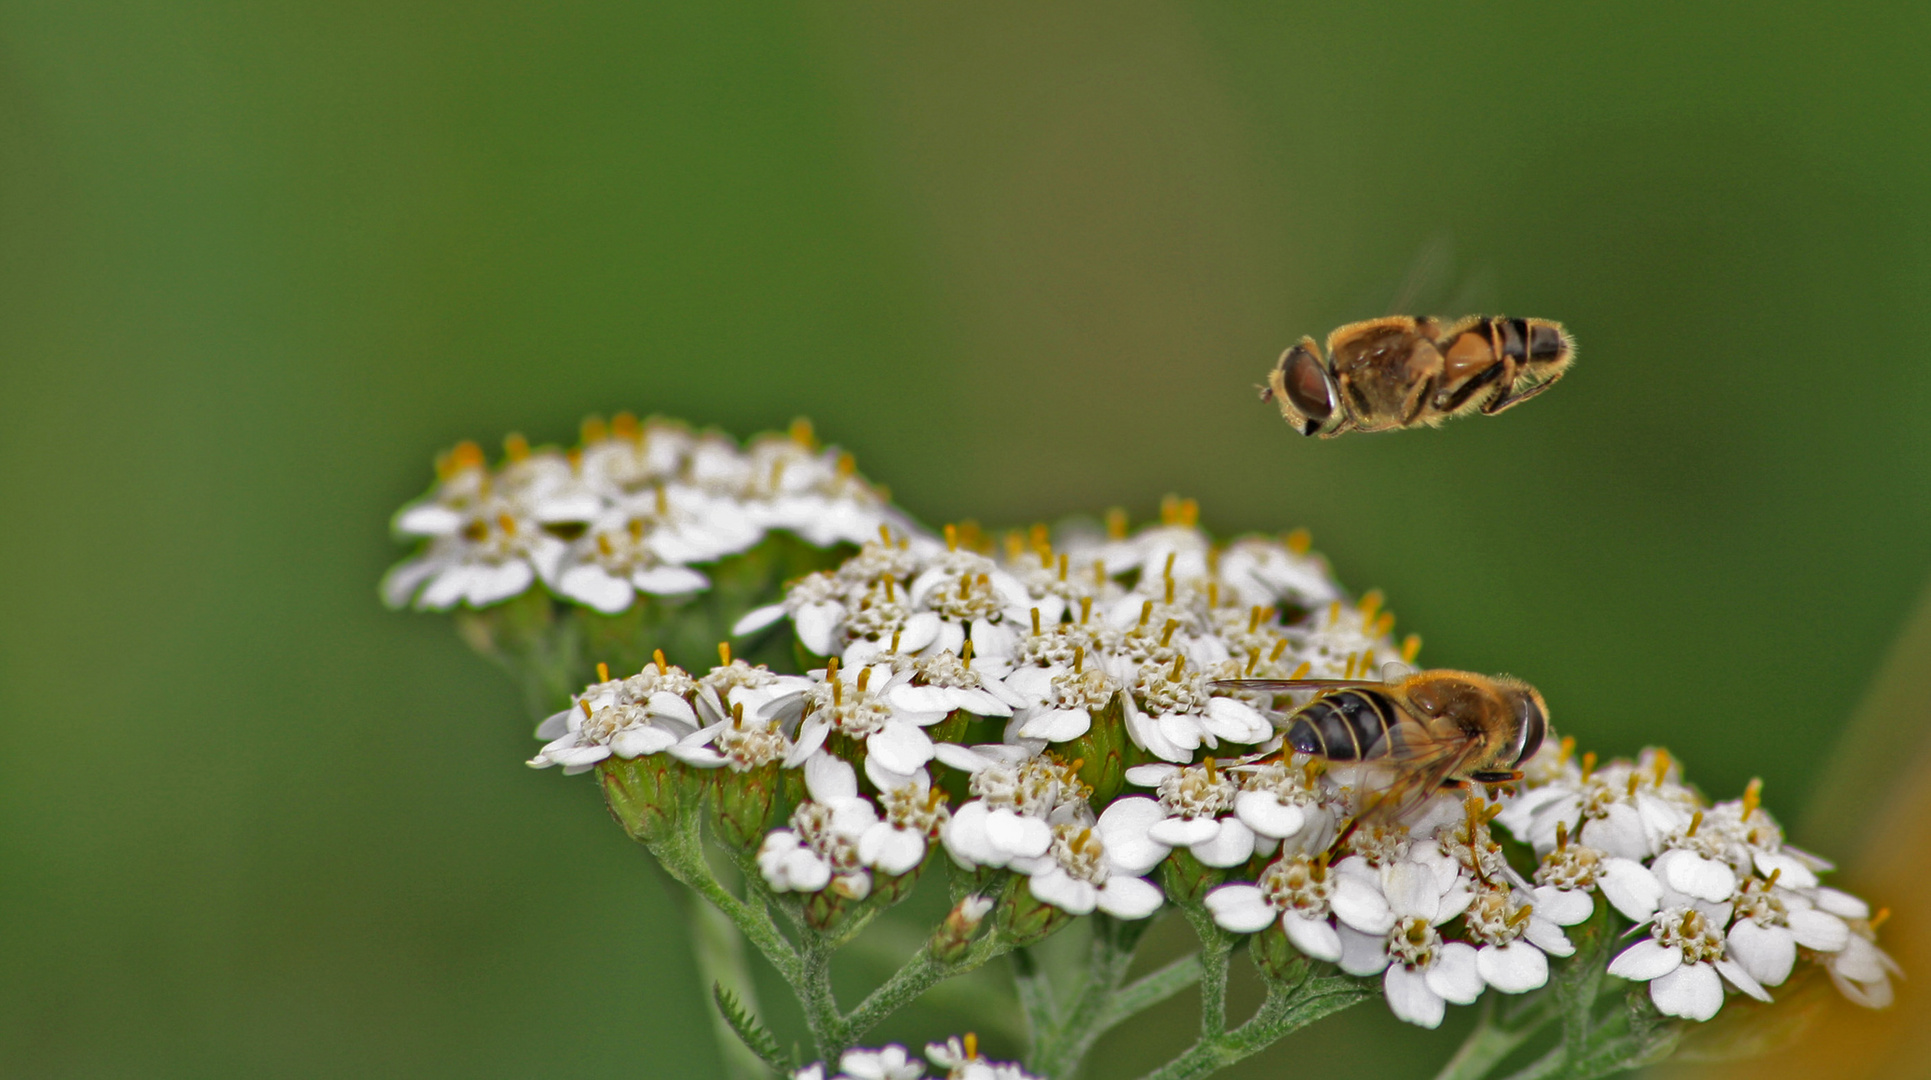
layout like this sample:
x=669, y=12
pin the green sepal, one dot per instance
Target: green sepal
x=1187, y=878
x=1022, y=918
x=743, y=802
x=1102, y=753
x=649, y=795
x=1276, y=957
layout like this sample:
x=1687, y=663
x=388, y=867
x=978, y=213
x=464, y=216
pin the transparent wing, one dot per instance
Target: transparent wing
x=1294, y=684
x=1416, y=767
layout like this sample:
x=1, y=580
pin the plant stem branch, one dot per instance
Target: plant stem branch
x=1286, y=1009
x=1100, y=1004
x=1035, y=996
x=918, y=975
x=1490, y=1042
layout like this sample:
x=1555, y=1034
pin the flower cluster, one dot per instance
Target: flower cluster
x=634, y=508
x=1110, y=649
x=958, y=1057
x=1724, y=899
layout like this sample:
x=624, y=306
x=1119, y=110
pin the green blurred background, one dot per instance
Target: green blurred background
x=258, y=262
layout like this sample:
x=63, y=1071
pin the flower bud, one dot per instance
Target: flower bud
x=1276, y=957
x=1187, y=878
x=954, y=936
x=1023, y=918
x=1102, y=753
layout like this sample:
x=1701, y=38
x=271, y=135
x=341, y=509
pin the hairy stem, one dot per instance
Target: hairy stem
x=719, y=950
x=1215, y=946
x=1100, y=1003
x=682, y=854
x=1035, y=995
x=1286, y=1010
x=918, y=975
x=1490, y=1042
x=828, y=1027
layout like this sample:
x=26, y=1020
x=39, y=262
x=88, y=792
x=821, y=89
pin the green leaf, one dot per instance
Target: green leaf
x=753, y=1034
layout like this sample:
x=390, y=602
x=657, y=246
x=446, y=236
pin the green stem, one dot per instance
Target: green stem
x=719, y=950
x=1215, y=946
x=1490, y=1042
x=682, y=854
x=1150, y=990
x=919, y=974
x=1286, y=1009
x=1100, y=1003
x=828, y=1027
x=1035, y=995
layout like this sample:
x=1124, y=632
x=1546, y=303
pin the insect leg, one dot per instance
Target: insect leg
x=1508, y=399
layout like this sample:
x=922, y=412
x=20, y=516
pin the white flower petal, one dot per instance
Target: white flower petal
x=1736, y=976
x=1231, y=846
x=1150, y=776
x=1564, y=907
x=1362, y=954
x=1184, y=832
x=1057, y=725
x=1314, y=937
x=815, y=624
x=493, y=584
x=1124, y=828
x=1515, y=968
x=1411, y=889
x=1819, y=930
x=1018, y=836
x=1236, y=721
x=593, y=585
x=1630, y=888
x=669, y=580
x=900, y=746
x=1410, y=997
x=828, y=777
x=919, y=631
x=1063, y=891
x=920, y=698
x=1456, y=973
x=1841, y=904
x=555, y=724
x=1242, y=909
x=757, y=619
x=638, y=740
x=1146, y=734
x=1694, y=875
x=892, y=850
x=1692, y=991
x=1792, y=872
x=1267, y=815
x=1361, y=906
x=1125, y=897
x=1547, y=936
x=1619, y=833
x=1647, y=960
x=811, y=738
x=965, y=837
x=1766, y=952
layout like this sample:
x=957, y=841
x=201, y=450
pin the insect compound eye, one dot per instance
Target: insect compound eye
x=1545, y=343
x=1535, y=726
x=1307, y=385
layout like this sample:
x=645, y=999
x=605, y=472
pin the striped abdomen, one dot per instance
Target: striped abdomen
x=1348, y=725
